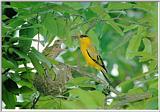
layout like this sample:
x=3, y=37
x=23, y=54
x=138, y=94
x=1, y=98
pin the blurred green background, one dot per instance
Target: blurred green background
x=124, y=33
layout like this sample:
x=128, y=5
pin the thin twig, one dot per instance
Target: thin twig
x=121, y=12
x=79, y=25
x=91, y=26
x=94, y=23
x=35, y=100
x=6, y=71
x=24, y=38
x=77, y=15
x=95, y=20
x=38, y=33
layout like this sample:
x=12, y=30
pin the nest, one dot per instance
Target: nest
x=47, y=86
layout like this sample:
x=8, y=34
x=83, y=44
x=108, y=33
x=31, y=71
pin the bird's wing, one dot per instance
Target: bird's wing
x=93, y=54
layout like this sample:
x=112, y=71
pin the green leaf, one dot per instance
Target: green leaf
x=25, y=89
x=41, y=57
x=153, y=64
x=153, y=88
x=21, y=54
x=153, y=91
x=148, y=46
x=24, y=82
x=69, y=40
x=119, y=6
x=94, y=38
x=100, y=87
x=142, y=55
x=137, y=90
x=48, y=102
x=26, y=33
x=74, y=5
x=75, y=104
x=13, y=40
x=7, y=64
x=24, y=105
x=154, y=84
x=25, y=4
x=65, y=32
x=60, y=8
x=50, y=26
x=5, y=30
x=15, y=77
x=130, y=27
x=132, y=47
x=126, y=85
x=99, y=28
x=146, y=6
x=101, y=12
x=113, y=24
x=23, y=38
x=97, y=8
x=152, y=103
x=90, y=99
x=4, y=17
x=137, y=105
x=36, y=63
x=4, y=78
x=8, y=98
x=11, y=86
x=98, y=100
x=57, y=27
x=14, y=23
x=134, y=44
x=26, y=75
x=80, y=81
x=89, y=14
x=60, y=27
x=85, y=100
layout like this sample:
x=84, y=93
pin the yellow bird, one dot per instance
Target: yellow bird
x=91, y=55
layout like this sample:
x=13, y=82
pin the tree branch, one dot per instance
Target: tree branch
x=96, y=79
x=123, y=100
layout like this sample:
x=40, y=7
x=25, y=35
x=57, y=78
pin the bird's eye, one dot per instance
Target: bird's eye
x=83, y=36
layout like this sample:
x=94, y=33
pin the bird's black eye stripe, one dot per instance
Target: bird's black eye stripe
x=83, y=36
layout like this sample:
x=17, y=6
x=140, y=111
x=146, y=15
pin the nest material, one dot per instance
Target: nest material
x=47, y=86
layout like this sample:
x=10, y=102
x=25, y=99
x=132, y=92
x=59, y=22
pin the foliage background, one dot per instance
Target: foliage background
x=125, y=33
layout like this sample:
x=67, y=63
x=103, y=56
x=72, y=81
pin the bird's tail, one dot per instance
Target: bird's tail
x=107, y=79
